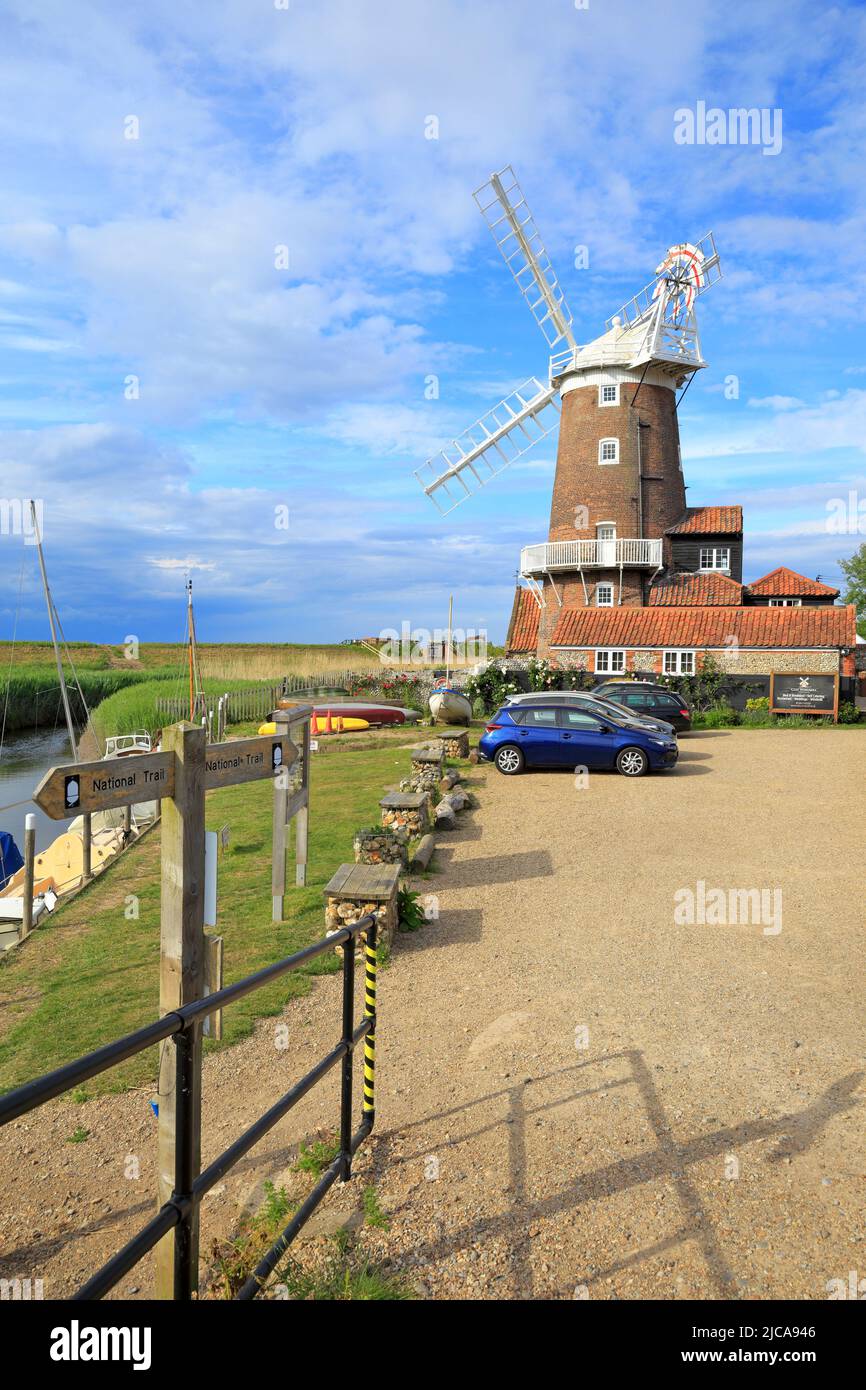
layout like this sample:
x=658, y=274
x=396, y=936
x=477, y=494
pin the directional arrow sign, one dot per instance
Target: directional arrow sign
x=247, y=759
x=81, y=787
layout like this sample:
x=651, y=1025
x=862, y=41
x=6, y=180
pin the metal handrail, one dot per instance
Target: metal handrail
x=179, y=1212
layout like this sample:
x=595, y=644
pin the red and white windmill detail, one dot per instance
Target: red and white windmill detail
x=662, y=316
x=681, y=276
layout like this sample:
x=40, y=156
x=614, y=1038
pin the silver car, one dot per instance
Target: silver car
x=605, y=709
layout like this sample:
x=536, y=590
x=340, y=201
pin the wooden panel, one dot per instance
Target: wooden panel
x=247, y=759
x=370, y=882
x=96, y=786
x=404, y=801
x=212, y=1026
x=686, y=553
x=293, y=715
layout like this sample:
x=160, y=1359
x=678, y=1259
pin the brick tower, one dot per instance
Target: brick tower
x=619, y=481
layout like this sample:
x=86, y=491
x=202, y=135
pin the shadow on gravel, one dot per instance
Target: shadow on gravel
x=501, y=868
x=457, y=925
x=668, y=1160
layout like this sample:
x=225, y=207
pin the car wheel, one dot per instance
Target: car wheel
x=509, y=760
x=632, y=762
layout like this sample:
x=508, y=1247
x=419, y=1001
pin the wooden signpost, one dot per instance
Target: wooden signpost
x=291, y=804
x=190, y=964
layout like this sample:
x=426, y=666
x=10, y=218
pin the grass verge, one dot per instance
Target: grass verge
x=91, y=973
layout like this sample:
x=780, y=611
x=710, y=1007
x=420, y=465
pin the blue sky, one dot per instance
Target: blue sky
x=303, y=387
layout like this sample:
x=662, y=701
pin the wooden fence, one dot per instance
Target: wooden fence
x=256, y=702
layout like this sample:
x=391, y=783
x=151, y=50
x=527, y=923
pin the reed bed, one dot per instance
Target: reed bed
x=30, y=696
x=135, y=707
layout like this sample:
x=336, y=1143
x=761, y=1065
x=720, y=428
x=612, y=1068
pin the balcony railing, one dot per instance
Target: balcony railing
x=573, y=555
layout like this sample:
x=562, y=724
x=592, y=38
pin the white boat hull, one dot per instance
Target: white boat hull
x=450, y=707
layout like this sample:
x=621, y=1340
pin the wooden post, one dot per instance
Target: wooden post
x=86, y=837
x=302, y=819
x=278, y=852
x=182, y=966
x=127, y=820
x=29, y=859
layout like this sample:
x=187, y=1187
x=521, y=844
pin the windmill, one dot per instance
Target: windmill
x=658, y=326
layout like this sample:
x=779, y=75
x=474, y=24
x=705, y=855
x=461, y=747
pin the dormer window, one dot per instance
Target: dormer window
x=608, y=395
x=715, y=557
x=608, y=451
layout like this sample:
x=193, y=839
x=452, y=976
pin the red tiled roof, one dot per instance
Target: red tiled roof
x=702, y=590
x=709, y=521
x=523, y=636
x=705, y=627
x=789, y=584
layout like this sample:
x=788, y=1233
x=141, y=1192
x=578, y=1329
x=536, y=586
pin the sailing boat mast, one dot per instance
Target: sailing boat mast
x=448, y=652
x=193, y=653
x=49, y=603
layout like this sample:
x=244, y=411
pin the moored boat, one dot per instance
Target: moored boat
x=447, y=704
x=450, y=706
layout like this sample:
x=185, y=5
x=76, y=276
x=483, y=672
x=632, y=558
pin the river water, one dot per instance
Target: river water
x=24, y=759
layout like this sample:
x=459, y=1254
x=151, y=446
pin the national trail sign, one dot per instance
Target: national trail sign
x=81, y=788
x=247, y=759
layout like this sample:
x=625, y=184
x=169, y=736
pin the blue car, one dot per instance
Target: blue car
x=521, y=736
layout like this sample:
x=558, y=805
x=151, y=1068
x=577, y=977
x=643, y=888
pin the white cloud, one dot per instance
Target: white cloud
x=155, y=257
x=776, y=403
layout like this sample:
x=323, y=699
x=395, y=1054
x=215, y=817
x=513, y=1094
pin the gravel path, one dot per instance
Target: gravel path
x=579, y=1096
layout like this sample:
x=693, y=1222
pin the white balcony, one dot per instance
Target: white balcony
x=551, y=556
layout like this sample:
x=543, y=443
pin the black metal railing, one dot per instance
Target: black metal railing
x=180, y=1212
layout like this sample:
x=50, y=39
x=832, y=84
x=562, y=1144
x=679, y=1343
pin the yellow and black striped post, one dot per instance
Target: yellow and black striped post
x=368, y=1108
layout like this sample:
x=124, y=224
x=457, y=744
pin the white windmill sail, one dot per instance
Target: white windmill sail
x=663, y=312
x=490, y=445
x=507, y=214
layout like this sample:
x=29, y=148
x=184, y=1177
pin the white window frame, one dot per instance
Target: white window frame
x=714, y=551
x=603, y=526
x=608, y=659
x=601, y=443
x=786, y=603
x=608, y=602
x=678, y=662
x=608, y=386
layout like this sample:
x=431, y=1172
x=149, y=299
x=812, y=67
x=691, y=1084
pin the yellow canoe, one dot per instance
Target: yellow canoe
x=337, y=724
x=325, y=724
